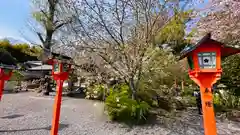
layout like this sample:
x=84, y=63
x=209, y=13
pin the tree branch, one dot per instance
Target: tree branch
x=40, y=37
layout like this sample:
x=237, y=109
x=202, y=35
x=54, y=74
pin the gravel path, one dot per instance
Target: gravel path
x=27, y=114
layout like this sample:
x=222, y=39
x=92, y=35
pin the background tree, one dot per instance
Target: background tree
x=222, y=20
x=174, y=34
x=120, y=32
x=20, y=52
x=47, y=14
x=231, y=74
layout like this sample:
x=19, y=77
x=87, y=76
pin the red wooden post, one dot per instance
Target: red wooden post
x=59, y=75
x=57, y=108
x=208, y=112
x=1, y=88
x=4, y=77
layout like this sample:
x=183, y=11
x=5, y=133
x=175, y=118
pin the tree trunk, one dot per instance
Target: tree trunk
x=182, y=85
x=70, y=85
x=47, y=87
x=48, y=40
x=79, y=82
x=132, y=87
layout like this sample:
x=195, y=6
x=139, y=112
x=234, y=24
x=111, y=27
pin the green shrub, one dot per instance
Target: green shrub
x=225, y=101
x=95, y=92
x=165, y=103
x=120, y=107
x=189, y=101
x=147, y=96
x=119, y=88
x=187, y=92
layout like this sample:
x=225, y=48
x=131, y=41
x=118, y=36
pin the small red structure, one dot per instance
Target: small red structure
x=60, y=71
x=5, y=75
x=7, y=64
x=205, y=69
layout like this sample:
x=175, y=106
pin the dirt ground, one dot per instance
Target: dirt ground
x=28, y=114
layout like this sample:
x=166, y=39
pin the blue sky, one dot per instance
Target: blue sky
x=14, y=15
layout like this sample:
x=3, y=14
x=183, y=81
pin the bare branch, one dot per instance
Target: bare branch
x=40, y=37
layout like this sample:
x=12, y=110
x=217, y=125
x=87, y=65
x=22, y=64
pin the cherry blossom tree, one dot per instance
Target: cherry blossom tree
x=222, y=20
x=124, y=33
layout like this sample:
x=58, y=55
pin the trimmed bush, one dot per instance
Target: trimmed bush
x=187, y=92
x=148, y=97
x=189, y=101
x=120, y=107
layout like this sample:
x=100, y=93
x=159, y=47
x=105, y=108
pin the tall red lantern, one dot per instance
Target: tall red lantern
x=204, y=61
x=7, y=64
x=5, y=74
x=60, y=72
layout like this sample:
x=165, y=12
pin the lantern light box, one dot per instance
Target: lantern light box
x=206, y=55
x=207, y=60
x=61, y=66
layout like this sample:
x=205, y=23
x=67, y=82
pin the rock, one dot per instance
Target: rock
x=236, y=113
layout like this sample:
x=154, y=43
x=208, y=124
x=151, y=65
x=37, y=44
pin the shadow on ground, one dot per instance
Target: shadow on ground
x=175, y=124
x=13, y=91
x=12, y=116
x=76, y=95
x=70, y=95
x=61, y=126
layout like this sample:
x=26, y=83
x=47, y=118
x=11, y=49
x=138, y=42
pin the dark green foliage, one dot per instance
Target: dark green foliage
x=173, y=33
x=21, y=52
x=188, y=91
x=189, y=101
x=121, y=107
x=148, y=96
x=6, y=57
x=231, y=74
x=226, y=101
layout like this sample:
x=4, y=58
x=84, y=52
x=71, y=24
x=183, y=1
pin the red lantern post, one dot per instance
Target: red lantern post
x=205, y=70
x=7, y=64
x=60, y=72
x=5, y=75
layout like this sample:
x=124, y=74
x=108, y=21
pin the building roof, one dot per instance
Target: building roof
x=225, y=50
x=42, y=67
x=34, y=62
x=57, y=55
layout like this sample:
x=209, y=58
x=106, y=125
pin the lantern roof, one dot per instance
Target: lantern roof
x=59, y=57
x=225, y=50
